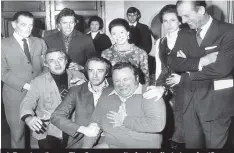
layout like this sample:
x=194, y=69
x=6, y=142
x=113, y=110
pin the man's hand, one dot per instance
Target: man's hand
x=75, y=66
x=208, y=59
x=173, y=80
x=117, y=118
x=91, y=131
x=26, y=86
x=35, y=124
x=154, y=92
x=77, y=81
x=181, y=54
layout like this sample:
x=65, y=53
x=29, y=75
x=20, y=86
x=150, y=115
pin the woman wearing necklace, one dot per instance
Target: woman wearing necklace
x=164, y=47
x=124, y=51
x=100, y=40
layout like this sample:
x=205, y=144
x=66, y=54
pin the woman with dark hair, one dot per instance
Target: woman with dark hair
x=124, y=51
x=171, y=22
x=100, y=40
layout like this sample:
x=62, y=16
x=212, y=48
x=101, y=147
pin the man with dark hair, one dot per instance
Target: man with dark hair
x=83, y=99
x=141, y=32
x=77, y=45
x=45, y=94
x=209, y=93
x=127, y=119
x=21, y=59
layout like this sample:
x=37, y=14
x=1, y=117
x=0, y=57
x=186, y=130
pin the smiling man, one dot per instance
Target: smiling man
x=127, y=119
x=77, y=45
x=46, y=93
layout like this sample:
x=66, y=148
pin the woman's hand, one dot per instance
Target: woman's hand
x=173, y=80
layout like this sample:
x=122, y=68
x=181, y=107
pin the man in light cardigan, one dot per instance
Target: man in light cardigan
x=126, y=118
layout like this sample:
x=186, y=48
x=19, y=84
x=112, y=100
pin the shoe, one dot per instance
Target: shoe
x=176, y=145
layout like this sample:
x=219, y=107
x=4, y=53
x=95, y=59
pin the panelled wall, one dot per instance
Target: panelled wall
x=45, y=13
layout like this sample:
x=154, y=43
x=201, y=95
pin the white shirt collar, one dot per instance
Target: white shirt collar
x=205, y=27
x=103, y=85
x=93, y=34
x=138, y=91
x=19, y=40
x=133, y=24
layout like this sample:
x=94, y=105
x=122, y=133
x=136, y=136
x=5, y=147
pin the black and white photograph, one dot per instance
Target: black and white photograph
x=133, y=76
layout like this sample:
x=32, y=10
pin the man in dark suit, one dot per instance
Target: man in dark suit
x=141, y=32
x=77, y=45
x=83, y=99
x=21, y=59
x=209, y=105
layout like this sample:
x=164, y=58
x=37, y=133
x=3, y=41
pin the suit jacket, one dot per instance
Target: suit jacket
x=145, y=34
x=80, y=100
x=101, y=42
x=212, y=104
x=17, y=70
x=80, y=49
x=43, y=98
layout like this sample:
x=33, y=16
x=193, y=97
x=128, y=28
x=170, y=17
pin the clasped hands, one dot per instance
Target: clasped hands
x=91, y=131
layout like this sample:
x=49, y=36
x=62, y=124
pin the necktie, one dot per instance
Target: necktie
x=26, y=50
x=198, y=36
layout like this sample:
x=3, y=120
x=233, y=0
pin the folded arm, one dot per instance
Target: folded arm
x=224, y=64
x=154, y=118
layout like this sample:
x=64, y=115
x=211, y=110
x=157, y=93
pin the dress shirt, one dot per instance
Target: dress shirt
x=171, y=40
x=138, y=91
x=93, y=34
x=133, y=24
x=97, y=91
x=20, y=41
x=205, y=27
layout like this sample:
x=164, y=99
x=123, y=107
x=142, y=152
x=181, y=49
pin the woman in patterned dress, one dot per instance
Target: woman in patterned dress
x=124, y=51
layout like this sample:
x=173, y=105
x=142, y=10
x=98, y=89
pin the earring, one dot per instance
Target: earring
x=128, y=37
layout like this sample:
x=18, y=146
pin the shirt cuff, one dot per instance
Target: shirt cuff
x=25, y=116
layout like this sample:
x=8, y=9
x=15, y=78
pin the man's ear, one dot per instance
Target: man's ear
x=44, y=61
x=13, y=23
x=201, y=10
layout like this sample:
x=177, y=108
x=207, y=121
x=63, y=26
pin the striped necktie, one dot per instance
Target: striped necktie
x=198, y=36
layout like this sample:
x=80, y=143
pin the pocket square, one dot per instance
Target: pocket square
x=210, y=47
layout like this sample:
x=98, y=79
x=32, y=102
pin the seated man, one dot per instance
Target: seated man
x=83, y=99
x=127, y=119
x=45, y=94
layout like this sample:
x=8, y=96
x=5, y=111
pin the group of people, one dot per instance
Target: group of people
x=76, y=90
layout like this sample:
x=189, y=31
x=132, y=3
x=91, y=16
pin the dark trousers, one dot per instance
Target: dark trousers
x=51, y=142
x=204, y=134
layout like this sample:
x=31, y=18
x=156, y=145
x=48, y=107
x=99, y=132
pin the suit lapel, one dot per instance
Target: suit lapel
x=60, y=40
x=98, y=35
x=88, y=95
x=18, y=48
x=31, y=46
x=211, y=34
